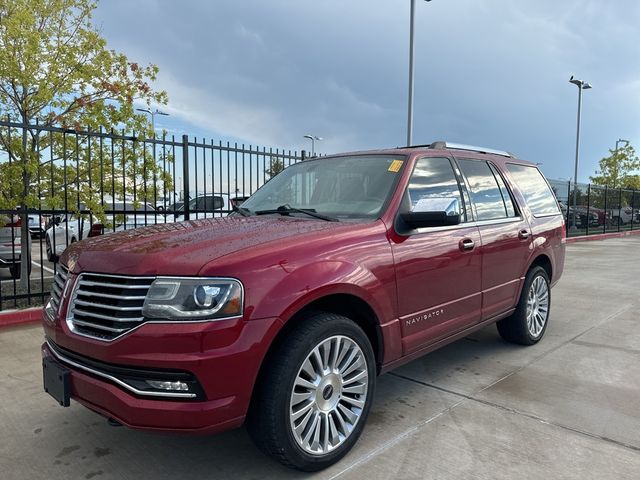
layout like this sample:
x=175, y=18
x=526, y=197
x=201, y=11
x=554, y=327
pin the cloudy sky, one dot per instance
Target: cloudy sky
x=488, y=72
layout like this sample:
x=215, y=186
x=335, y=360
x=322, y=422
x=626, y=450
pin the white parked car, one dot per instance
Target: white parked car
x=621, y=216
x=38, y=225
x=65, y=230
x=10, y=245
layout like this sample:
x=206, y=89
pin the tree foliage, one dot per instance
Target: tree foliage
x=620, y=169
x=276, y=165
x=56, y=70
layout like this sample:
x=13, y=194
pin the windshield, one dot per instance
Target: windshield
x=340, y=187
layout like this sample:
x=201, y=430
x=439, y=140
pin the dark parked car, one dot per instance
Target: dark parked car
x=283, y=314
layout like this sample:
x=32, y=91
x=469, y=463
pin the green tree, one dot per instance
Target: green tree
x=276, y=165
x=56, y=69
x=619, y=170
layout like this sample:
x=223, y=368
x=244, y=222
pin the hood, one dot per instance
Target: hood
x=184, y=248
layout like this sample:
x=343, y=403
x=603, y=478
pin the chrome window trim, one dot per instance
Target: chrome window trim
x=115, y=380
x=69, y=317
x=468, y=224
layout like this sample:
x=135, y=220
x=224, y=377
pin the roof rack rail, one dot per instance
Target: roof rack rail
x=460, y=146
x=472, y=148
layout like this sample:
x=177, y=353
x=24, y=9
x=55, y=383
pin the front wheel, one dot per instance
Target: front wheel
x=528, y=323
x=314, y=394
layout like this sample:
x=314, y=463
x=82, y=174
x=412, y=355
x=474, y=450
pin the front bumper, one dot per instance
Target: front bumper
x=222, y=357
x=9, y=257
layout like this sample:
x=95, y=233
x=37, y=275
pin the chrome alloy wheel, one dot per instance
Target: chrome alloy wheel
x=329, y=394
x=537, y=306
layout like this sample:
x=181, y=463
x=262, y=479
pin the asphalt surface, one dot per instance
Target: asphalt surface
x=479, y=408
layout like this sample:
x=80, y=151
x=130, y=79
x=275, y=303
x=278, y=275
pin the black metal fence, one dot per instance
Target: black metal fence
x=592, y=209
x=89, y=182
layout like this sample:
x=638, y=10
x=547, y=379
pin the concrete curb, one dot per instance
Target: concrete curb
x=20, y=317
x=602, y=236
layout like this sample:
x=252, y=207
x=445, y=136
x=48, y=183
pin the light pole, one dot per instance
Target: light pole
x=582, y=85
x=313, y=139
x=411, y=58
x=153, y=116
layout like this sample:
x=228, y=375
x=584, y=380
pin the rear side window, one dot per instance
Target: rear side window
x=508, y=202
x=534, y=188
x=490, y=201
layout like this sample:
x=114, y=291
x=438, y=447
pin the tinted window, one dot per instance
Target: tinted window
x=206, y=204
x=506, y=196
x=433, y=178
x=534, y=188
x=484, y=189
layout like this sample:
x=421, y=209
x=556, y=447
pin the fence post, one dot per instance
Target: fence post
x=619, y=208
x=185, y=175
x=588, y=205
x=606, y=195
x=303, y=155
x=633, y=209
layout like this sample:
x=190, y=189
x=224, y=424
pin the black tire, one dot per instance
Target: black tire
x=515, y=328
x=51, y=256
x=14, y=271
x=268, y=421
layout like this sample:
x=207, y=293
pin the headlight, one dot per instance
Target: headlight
x=193, y=299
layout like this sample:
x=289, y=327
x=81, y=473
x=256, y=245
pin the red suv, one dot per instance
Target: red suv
x=282, y=315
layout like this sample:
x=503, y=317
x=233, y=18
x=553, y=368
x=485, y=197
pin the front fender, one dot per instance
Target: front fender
x=313, y=281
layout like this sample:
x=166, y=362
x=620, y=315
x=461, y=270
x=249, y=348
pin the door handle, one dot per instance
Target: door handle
x=467, y=244
x=523, y=234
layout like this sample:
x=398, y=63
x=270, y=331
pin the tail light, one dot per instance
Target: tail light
x=96, y=230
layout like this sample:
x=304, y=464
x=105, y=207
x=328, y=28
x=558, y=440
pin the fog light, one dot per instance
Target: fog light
x=164, y=385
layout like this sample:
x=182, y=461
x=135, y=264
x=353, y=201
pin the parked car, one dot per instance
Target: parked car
x=171, y=208
x=620, y=216
x=584, y=217
x=38, y=224
x=206, y=206
x=283, y=313
x=67, y=229
x=11, y=245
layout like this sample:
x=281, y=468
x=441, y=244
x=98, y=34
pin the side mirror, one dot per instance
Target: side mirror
x=433, y=212
x=429, y=219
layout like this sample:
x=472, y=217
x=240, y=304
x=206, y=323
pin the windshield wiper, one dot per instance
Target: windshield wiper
x=245, y=212
x=286, y=209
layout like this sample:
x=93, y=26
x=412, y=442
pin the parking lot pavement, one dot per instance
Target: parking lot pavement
x=568, y=407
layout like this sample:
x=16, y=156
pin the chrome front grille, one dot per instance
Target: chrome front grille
x=107, y=306
x=57, y=287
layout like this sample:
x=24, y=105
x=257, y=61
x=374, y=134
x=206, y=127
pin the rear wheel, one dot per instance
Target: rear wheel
x=528, y=323
x=51, y=256
x=15, y=270
x=315, y=392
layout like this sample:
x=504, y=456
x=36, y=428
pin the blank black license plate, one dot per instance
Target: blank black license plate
x=57, y=381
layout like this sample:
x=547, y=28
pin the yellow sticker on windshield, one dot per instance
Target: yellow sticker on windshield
x=395, y=166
